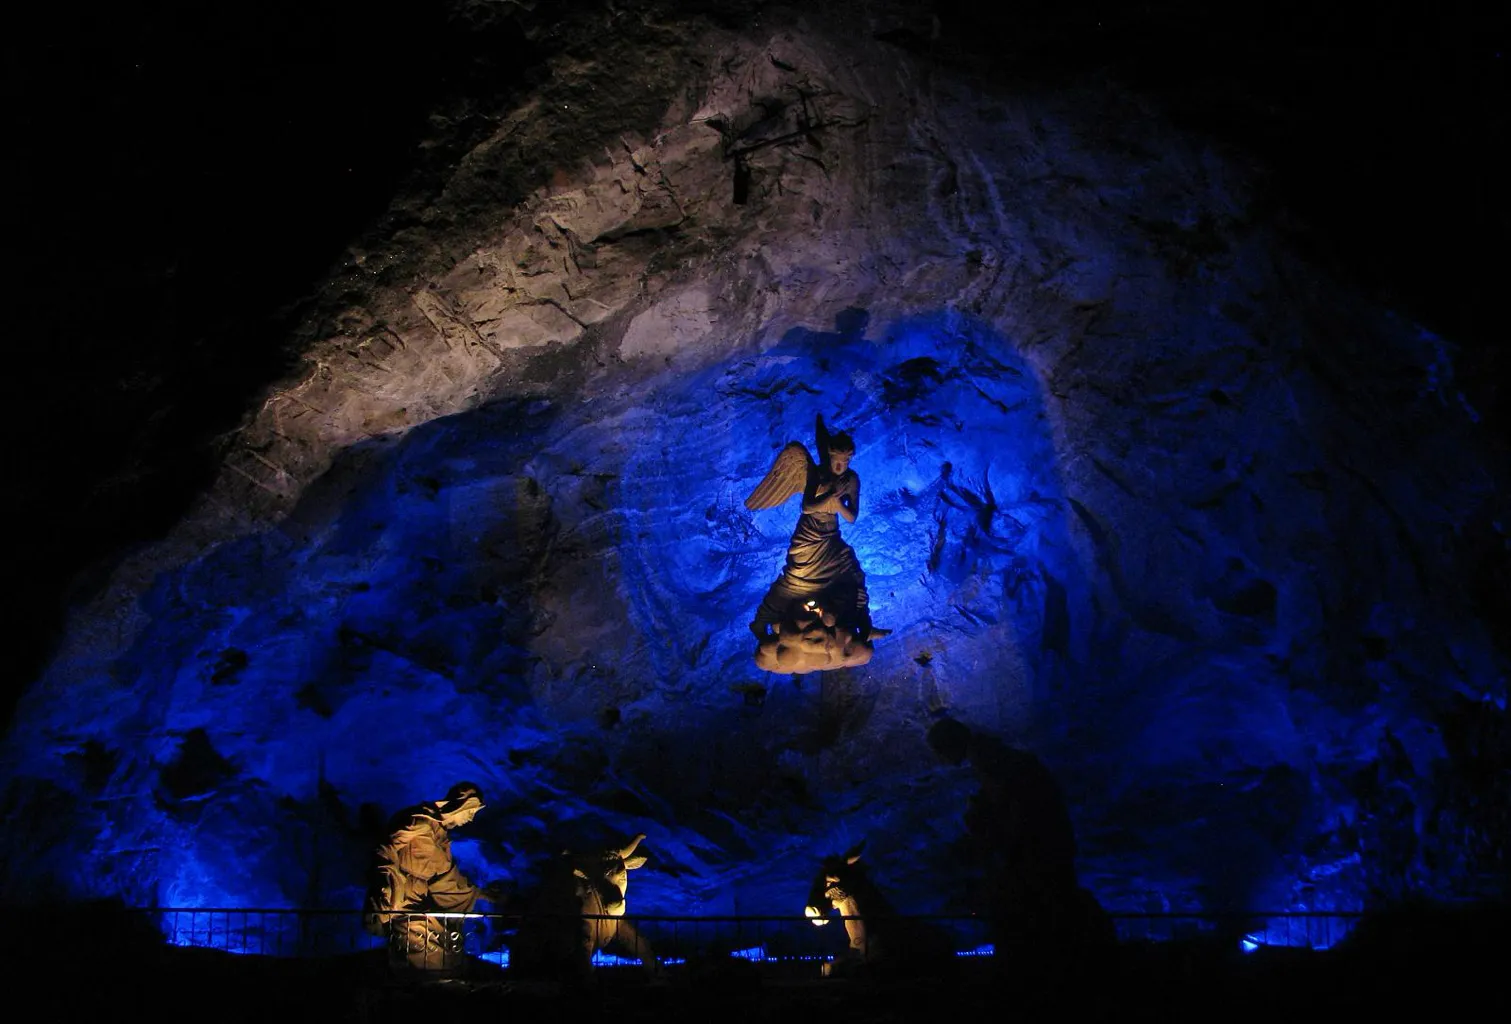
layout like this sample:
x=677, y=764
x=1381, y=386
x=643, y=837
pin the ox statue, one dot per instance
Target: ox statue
x=580, y=911
x=876, y=931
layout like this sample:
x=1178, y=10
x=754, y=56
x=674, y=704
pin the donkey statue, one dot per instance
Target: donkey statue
x=875, y=930
x=579, y=911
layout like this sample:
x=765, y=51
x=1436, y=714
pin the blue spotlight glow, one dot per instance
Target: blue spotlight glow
x=1319, y=932
x=602, y=959
x=229, y=931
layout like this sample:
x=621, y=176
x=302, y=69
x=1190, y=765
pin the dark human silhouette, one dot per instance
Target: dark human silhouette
x=1044, y=923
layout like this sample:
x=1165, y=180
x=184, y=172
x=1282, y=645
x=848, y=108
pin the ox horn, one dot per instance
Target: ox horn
x=631, y=848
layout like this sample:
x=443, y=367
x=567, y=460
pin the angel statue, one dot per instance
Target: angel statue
x=817, y=614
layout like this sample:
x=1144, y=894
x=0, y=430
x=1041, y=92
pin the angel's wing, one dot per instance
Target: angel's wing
x=787, y=476
x=821, y=439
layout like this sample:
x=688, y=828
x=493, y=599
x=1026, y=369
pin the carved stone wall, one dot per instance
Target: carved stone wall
x=1144, y=492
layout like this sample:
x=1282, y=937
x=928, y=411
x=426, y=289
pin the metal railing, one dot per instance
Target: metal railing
x=437, y=939
x=673, y=939
x=1316, y=930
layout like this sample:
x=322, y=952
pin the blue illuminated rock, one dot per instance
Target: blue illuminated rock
x=1144, y=494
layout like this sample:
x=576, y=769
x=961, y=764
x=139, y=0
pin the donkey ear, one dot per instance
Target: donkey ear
x=853, y=854
x=580, y=874
x=631, y=863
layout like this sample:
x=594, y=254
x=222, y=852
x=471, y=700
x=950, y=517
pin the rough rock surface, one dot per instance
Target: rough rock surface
x=1142, y=492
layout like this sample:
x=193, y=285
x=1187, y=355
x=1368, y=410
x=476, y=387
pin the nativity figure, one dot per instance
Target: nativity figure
x=817, y=614
x=416, y=893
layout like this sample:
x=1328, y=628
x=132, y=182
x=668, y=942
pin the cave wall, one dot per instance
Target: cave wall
x=1143, y=492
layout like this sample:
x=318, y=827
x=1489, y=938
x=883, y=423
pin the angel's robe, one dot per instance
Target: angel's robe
x=820, y=567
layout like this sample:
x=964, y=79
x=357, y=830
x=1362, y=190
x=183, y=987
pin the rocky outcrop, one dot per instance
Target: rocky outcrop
x=1141, y=491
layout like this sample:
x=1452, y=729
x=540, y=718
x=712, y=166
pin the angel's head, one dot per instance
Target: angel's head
x=841, y=451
